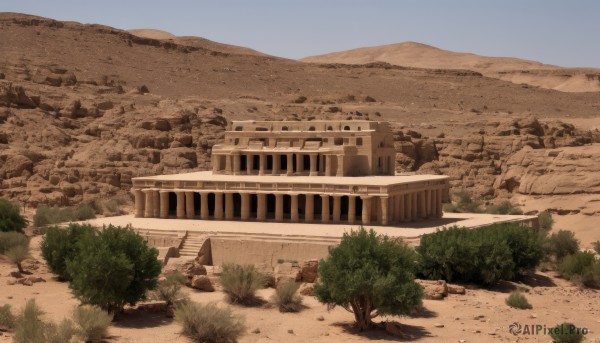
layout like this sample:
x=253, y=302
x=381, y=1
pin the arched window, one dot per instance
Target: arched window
x=358, y=128
x=329, y=128
x=312, y=128
x=346, y=128
x=284, y=128
x=238, y=128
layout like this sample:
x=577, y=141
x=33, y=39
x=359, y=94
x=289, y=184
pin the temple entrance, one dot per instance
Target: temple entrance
x=318, y=206
x=255, y=163
x=283, y=162
x=253, y=206
x=172, y=204
x=287, y=206
x=243, y=163
x=196, y=204
x=359, y=209
x=271, y=206
x=211, y=204
x=237, y=206
x=344, y=208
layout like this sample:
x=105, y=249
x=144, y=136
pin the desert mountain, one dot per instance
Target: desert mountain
x=194, y=41
x=411, y=54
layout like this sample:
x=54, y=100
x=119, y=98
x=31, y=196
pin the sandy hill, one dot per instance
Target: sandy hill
x=516, y=70
x=195, y=41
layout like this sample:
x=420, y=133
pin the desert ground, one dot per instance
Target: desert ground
x=85, y=108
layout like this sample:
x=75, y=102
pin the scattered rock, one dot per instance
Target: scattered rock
x=394, y=329
x=434, y=289
x=307, y=289
x=309, y=270
x=256, y=331
x=456, y=289
x=438, y=325
x=290, y=331
x=202, y=283
x=320, y=318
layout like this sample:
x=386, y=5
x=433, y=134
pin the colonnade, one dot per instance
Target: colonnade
x=288, y=163
x=289, y=207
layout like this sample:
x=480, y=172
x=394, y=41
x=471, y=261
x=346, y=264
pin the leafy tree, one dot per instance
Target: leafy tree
x=60, y=244
x=113, y=267
x=369, y=275
x=10, y=217
x=10, y=239
x=17, y=255
x=463, y=202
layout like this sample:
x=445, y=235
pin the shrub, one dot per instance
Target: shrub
x=7, y=318
x=505, y=207
x=18, y=254
x=169, y=289
x=581, y=267
x=518, y=300
x=241, y=282
x=31, y=329
x=45, y=215
x=285, y=297
x=369, y=275
x=29, y=326
x=60, y=244
x=92, y=323
x=11, y=239
x=209, y=323
x=483, y=255
x=112, y=268
x=545, y=221
x=463, y=203
x=10, y=217
x=567, y=333
x=561, y=244
x=596, y=246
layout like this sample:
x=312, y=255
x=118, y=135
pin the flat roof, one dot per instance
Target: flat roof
x=382, y=180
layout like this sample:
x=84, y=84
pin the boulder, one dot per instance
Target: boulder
x=456, y=289
x=434, y=289
x=309, y=270
x=202, y=283
x=307, y=289
x=287, y=271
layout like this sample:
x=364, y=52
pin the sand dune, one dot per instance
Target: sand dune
x=411, y=54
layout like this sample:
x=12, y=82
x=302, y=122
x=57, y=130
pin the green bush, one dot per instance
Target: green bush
x=92, y=323
x=561, y=244
x=505, y=207
x=45, y=215
x=567, y=333
x=11, y=239
x=483, y=255
x=209, y=323
x=241, y=282
x=7, y=318
x=463, y=203
x=61, y=333
x=369, y=275
x=17, y=255
x=546, y=222
x=60, y=244
x=10, y=217
x=596, y=246
x=518, y=300
x=582, y=267
x=113, y=267
x=286, y=297
x=169, y=289
x=29, y=326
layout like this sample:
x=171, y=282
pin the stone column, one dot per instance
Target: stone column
x=228, y=206
x=294, y=208
x=180, y=204
x=340, y=165
x=262, y=164
x=385, y=206
x=422, y=204
x=249, y=164
x=337, y=208
x=276, y=164
x=313, y=165
x=328, y=165
x=408, y=207
x=245, y=211
x=218, y=205
x=290, y=166
x=204, y=206
x=164, y=204
x=228, y=166
x=189, y=205
x=309, y=208
x=299, y=163
x=261, y=206
x=236, y=164
x=139, y=203
x=156, y=202
x=351, y=209
x=366, y=210
x=415, y=206
x=324, y=208
x=432, y=203
x=401, y=211
x=149, y=206
x=279, y=207
x=216, y=159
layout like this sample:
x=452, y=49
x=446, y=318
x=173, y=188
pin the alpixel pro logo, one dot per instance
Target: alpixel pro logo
x=538, y=329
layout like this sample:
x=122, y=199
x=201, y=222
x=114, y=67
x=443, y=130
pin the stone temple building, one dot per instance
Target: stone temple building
x=300, y=172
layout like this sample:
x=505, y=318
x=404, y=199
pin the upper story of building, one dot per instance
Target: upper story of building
x=310, y=148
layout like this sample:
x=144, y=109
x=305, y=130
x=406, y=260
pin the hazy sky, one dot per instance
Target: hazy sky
x=565, y=33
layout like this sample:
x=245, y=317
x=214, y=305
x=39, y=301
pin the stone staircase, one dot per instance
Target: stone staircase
x=190, y=247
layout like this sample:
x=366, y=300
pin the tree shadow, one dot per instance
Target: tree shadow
x=423, y=312
x=140, y=319
x=379, y=333
x=530, y=280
